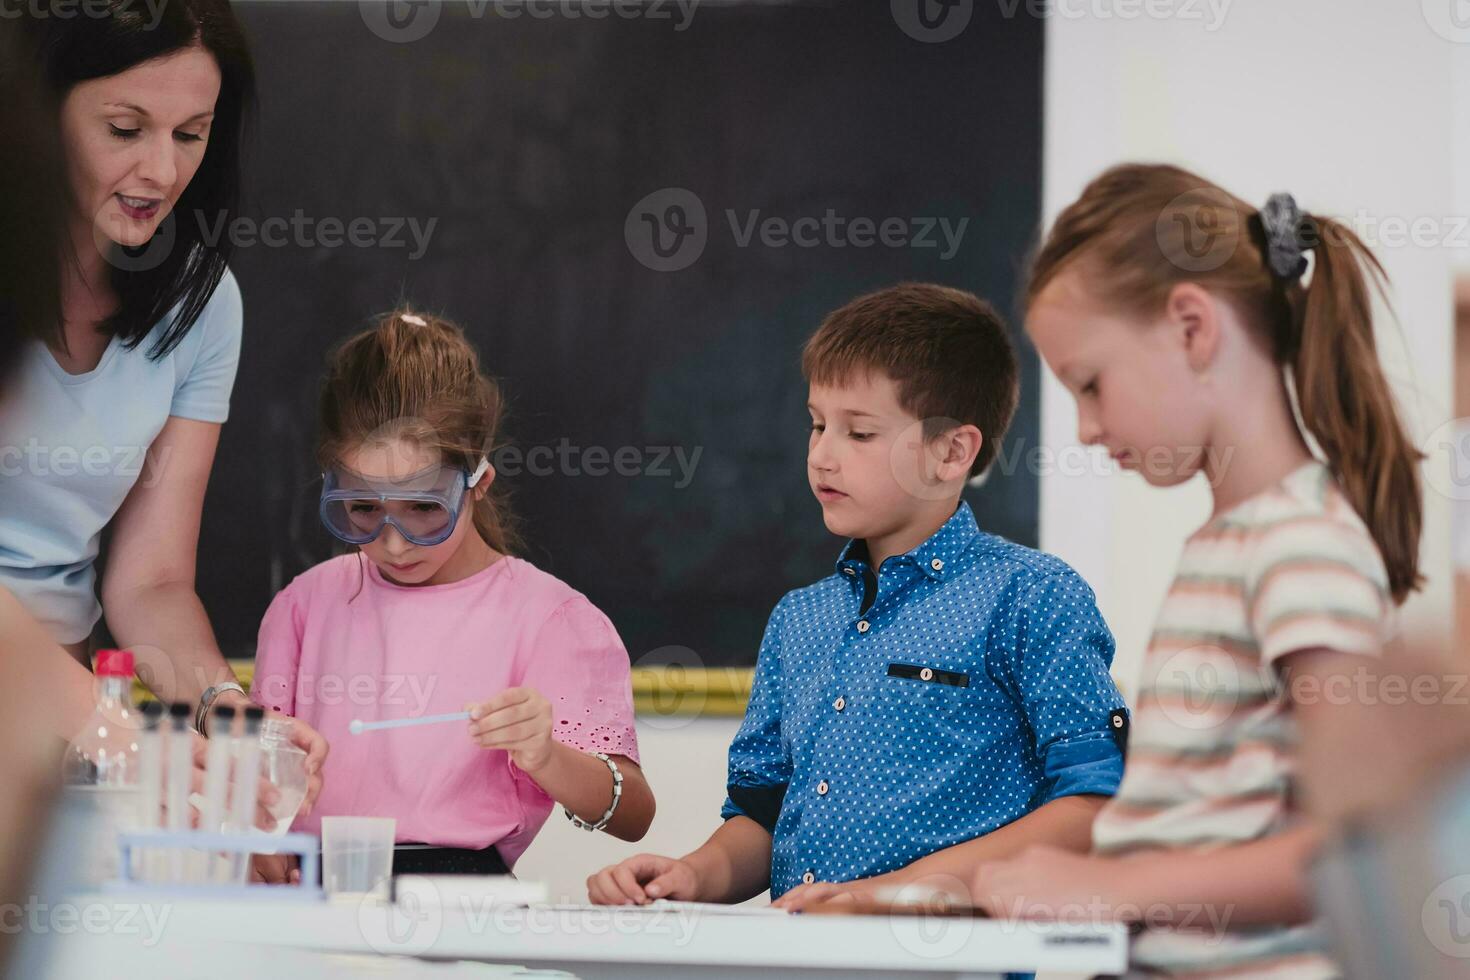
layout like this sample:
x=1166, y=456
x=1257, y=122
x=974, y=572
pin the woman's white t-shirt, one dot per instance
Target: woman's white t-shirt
x=72, y=446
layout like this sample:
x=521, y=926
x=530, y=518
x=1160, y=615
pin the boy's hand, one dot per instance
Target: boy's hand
x=642, y=879
x=518, y=720
x=274, y=869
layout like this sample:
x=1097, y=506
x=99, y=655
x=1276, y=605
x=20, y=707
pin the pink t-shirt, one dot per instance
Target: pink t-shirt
x=342, y=642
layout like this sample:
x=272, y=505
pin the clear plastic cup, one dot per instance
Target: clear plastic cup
x=357, y=857
x=284, y=767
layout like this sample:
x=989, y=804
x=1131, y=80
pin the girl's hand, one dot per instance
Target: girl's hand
x=803, y=897
x=1053, y=884
x=518, y=720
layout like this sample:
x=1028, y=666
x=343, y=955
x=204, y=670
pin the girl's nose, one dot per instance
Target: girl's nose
x=393, y=542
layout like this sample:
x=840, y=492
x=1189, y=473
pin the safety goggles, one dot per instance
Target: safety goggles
x=423, y=506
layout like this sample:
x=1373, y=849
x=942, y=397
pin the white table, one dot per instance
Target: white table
x=623, y=944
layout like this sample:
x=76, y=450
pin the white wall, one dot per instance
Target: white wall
x=1346, y=104
x=1460, y=74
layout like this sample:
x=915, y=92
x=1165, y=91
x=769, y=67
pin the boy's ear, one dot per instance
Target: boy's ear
x=958, y=449
x=1195, y=319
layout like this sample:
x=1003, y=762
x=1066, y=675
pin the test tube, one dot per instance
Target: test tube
x=216, y=777
x=246, y=787
x=180, y=752
x=150, y=779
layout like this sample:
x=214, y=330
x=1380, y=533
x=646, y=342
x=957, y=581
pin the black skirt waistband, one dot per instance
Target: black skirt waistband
x=429, y=860
x=426, y=859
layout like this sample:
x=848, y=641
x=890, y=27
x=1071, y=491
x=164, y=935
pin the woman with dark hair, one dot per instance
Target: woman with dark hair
x=110, y=415
x=33, y=667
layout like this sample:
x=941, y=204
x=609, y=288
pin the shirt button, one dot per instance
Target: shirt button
x=840, y=703
x=927, y=674
x=808, y=878
x=937, y=564
x=822, y=788
x=849, y=571
x=862, y=626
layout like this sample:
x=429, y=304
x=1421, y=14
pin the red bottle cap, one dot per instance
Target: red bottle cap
x=114, y=663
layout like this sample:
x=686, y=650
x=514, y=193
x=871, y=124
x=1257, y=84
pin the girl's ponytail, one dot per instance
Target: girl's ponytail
x=1345, y=400
x=1140, y=229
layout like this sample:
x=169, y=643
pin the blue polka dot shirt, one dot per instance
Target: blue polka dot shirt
x=897, y=714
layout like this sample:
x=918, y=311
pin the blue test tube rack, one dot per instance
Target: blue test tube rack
x=306, y=847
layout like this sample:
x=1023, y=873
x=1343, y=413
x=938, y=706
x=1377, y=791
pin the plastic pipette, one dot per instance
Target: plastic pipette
x=358, y=727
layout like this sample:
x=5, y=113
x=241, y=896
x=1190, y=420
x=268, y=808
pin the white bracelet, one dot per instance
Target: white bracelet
x=581, y=824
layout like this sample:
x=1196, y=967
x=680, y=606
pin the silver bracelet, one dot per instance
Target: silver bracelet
x=581, y=824
x=206, y=701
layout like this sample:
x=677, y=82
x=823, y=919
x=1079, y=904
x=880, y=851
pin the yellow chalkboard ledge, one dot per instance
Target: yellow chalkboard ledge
x=658, y=692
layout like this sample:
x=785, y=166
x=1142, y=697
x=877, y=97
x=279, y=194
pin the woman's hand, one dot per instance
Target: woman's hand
x=266, y=795
x=274, y=869
x=303, y=736
x=518, y=720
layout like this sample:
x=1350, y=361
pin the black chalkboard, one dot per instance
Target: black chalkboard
x=527, y=141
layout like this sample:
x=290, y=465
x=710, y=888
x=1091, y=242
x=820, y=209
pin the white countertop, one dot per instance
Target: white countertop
x=591, y=942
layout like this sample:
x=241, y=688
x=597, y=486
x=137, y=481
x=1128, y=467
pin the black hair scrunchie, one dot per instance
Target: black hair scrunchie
x=1283, y=230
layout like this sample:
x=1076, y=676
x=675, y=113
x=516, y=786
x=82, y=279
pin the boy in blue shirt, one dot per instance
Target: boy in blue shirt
x=943, y=698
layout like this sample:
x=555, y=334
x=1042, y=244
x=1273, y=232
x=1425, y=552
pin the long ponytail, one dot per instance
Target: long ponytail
x=1347, y=405
x=1137, y=231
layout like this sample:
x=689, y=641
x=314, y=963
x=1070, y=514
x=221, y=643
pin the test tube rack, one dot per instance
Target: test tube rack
x=306, y=847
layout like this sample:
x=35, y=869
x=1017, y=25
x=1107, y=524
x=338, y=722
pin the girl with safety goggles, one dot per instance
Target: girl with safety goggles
x=434, y=614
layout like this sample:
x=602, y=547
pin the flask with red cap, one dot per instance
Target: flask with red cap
x=102, y=760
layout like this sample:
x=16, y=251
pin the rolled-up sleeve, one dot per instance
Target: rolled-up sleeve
x=1060, y=672
x=760, y=766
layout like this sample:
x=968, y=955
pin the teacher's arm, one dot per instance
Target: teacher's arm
x=148, y=584
x=148, y=593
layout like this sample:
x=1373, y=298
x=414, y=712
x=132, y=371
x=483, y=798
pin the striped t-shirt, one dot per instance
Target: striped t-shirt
x=1213, y=743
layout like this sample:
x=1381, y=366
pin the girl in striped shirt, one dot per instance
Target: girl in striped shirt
x=1184, y=320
